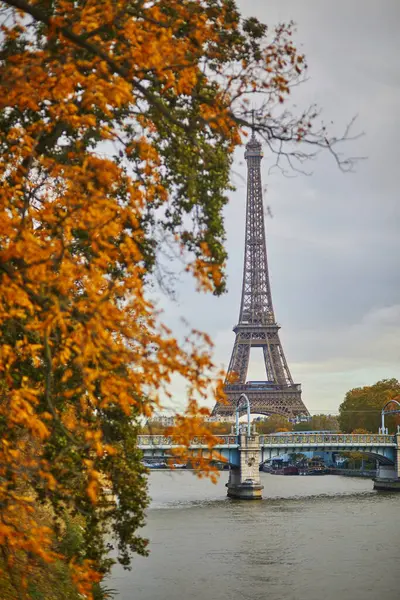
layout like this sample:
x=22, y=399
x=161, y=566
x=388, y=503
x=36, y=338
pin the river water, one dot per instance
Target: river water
x=310, y=538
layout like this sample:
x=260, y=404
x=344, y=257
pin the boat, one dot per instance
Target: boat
x=314, y=467
x=318, y=471
x=289, y=470
x=266, y=468
x=155, y=465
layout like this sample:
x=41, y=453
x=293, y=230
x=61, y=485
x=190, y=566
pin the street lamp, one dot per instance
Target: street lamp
x=244, y=397
x=383, y=429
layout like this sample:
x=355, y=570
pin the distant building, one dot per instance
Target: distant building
x=221, y=419
x=168, y=420
x=165, y=420
x=301, y=419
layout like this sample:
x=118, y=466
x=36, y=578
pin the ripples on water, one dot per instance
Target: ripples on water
x=311, y=538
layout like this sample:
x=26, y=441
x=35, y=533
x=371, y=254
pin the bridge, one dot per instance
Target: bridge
x=382, y=447
x=246, y=450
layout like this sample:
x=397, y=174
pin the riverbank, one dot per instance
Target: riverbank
x=44, y=582
x=384, y=484
x=353, y=473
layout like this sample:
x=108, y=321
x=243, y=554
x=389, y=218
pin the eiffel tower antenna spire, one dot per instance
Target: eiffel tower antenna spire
x=253, y=125
x=257, y=326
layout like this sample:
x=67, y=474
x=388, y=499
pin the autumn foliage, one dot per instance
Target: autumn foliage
x=118, y=121
x=360, y=412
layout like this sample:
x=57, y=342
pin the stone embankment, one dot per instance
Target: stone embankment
x=371, y=474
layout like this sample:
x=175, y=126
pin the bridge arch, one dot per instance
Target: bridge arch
x=382, y=460
x=266, y=412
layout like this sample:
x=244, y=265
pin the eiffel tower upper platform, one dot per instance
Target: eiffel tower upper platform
x=257, y=326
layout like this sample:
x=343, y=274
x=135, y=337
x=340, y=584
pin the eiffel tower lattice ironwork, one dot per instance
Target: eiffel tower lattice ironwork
x=257, y=326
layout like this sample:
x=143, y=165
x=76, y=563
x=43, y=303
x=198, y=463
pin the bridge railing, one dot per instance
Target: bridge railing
x=331, y=439
x=161, y=440
x=306, y=439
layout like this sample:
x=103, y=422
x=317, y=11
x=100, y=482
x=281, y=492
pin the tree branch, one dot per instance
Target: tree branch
x=82, y=42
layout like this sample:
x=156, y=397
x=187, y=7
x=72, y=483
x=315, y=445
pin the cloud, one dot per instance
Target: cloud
x=333, y=242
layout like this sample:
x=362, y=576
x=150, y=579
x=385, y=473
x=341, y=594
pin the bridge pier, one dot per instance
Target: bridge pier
x=244, y=481
x=388, y=477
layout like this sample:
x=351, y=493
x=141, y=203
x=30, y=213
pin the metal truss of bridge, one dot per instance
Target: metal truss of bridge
x=257, y=325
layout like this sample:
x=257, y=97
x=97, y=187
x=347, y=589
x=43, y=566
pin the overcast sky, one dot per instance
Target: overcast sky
x=333, y=242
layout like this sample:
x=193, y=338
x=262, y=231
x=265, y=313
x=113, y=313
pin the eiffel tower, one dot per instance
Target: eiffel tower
x=257, y=326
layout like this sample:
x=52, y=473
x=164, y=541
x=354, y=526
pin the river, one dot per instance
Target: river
x=310, y=538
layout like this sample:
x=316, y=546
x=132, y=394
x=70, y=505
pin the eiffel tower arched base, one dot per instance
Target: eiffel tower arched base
x=285, y=401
